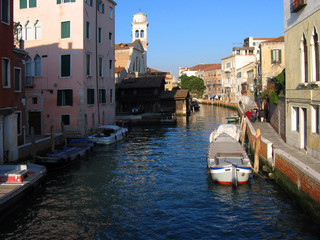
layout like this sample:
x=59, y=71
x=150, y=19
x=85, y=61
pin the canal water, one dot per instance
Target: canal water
x=155, y=185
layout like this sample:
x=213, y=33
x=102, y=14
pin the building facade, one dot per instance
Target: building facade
x=70, y=73
x=272, y=63
x=302, y=29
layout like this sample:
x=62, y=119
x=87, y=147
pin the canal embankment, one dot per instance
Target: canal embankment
x=295, y=171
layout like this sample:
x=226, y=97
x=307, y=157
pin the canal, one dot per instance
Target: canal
x=154, y=185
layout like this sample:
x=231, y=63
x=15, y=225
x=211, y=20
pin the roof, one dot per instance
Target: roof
x=175, y=94
x=202, y=67
x=278, y=39
x=143, y=82
x=124, y=46
x=118, y=69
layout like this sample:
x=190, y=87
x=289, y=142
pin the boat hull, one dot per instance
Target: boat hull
x=107, y=140
x=230, y=175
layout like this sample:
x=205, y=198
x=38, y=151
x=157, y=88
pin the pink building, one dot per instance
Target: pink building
x=70, y=72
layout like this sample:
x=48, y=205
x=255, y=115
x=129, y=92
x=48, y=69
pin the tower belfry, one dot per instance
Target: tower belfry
x=140, y=29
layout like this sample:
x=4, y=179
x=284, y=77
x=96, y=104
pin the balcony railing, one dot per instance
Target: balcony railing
x=296, y=5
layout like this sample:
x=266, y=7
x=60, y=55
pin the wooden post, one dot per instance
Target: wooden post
x=243, y=130
x=257, y=151
x=33, y=144
x=52, y=139
x=63, y=134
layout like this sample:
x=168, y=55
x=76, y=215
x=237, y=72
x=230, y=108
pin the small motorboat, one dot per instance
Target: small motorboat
x=168, y=118
x=195, y=106
x=233, y=119
x=16, y=182
x=227, y=161
x=108, y=134
x=66, y=156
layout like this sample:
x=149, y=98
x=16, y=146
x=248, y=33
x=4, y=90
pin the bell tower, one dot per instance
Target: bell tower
x=140, y=29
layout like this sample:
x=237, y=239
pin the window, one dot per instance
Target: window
x=100, y=6
x=88, y=64
x=28, y=80
x=111, y=96
x=5, y=11
x=28, y=3
x=90, y=96
x=65, y=119
x=110, y=13
x=37, y=66
x=142, y=34
x=316, y=119
x=102, y=96
x=100, y=67
x=18, y=123
x=305, y=59
x=316, y=59
x=110, y=35
x=37, y=30
x=276, y=56
x=34, y=100
x=137, y=34
x=17, y=79
x=64, y=1
x=110, y=64
x=295, y=119
x=64, y=97
x=65, y=29
x=65, y=65
x=89, y=2
x=100, y=35
x=5, y=72
x=28, y=31
x=88, y=30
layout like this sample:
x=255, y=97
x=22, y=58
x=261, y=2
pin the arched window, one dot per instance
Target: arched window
x=304, y=59
x=37, y=30
x=315, y=53
x=28, y=72
x=142, y=34
x=137, y=33
x=28, y=31
x=37, y=66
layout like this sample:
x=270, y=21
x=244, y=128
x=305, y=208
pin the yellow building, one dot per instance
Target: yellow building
x=302, y=26
x=272, y=59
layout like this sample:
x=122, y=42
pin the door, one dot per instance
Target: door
x=305, y=129
x=35, y=122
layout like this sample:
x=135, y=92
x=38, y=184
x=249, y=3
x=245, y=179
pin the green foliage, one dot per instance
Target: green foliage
x=274, y=97
x=279, y=82
x=194, y=84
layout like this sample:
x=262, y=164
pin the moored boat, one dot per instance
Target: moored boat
x=227, y=161
x=108, y=134
x=66, y=156
x=16, y=182
x=233, y=119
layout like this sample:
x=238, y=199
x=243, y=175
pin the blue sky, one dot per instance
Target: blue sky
x=187, y=32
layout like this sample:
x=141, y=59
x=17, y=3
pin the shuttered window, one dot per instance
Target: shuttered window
x=65, y=97
x=65, y=29
x=90, y=96
x=23, y=4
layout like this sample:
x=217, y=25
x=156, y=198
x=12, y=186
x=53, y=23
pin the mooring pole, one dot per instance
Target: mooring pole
x=257, y=151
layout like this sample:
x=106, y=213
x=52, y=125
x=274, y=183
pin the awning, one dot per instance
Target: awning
x=212, y=96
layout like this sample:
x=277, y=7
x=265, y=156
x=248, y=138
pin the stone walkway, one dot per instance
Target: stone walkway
x=269, y=133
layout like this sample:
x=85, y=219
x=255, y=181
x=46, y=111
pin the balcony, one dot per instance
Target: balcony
x=296, y=5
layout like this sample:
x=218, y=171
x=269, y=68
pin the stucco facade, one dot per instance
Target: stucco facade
x=70, y=76
x=272, y=59
x=302, y=29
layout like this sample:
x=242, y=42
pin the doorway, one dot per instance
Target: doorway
x=35, y=122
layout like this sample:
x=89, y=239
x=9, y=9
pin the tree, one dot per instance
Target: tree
x=194, y=84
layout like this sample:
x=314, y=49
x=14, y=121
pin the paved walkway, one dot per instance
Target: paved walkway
x=269, y=133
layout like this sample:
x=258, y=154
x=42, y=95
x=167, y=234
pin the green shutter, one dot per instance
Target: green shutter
x=73, y=0
x=65, y=29
x=279, y=55
x=32, y=3
x=58, y=1
x=23, y=4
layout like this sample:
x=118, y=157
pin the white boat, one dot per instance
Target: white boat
x=108, y=134
x=227, y=161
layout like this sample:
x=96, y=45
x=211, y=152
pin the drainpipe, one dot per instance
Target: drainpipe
x=97, y=67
